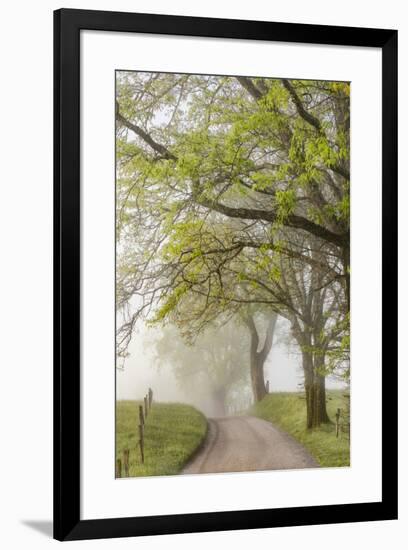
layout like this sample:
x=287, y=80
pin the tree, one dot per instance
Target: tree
x=216, y=364
x=311, y=297
x=263, y=154
x=315, y=300
x=274, y=142
x=259, y=356
x=225, y=187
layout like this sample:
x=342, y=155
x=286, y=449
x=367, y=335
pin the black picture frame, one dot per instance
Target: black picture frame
x=67, y=26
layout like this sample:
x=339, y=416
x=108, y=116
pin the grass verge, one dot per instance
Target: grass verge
x=173, y=432
x=288, y=412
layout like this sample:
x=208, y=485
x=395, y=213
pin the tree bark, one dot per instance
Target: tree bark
x=257, y=377
x=309, y=391
x=315, y=391
x=346, y=263
x=322, y=416
x=258, y=358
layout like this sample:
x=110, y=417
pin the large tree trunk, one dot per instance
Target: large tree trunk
x=258, y=358
x=315, y=391
x=257, y=377
x=319, y=387
x=317, y=413
x=309, y=390
x=322, y=417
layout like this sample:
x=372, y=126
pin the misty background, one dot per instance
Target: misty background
x=141, y=370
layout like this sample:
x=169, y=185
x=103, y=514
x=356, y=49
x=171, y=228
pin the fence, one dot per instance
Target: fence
x=342, y=422
x=122, y=465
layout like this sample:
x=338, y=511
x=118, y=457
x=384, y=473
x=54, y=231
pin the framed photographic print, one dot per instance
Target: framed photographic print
x=225, y=274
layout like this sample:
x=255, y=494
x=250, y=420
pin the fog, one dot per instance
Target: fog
x=140, y=370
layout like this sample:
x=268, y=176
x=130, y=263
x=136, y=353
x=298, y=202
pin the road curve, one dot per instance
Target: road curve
x=246, y=443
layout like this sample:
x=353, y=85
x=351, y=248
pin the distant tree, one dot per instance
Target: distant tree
x=217, y=363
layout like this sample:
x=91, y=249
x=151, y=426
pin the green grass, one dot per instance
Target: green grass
x=172, y=433
x=288, y=412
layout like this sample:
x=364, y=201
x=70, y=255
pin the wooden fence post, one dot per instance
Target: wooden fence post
x=337, y=422
x=141, y=441
x=141, y=415
x=118, y=468
x=126, y=462
x=143, y=412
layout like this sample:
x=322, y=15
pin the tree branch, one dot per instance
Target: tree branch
x=158, y=147
x=313, y=121
x=250, y=87
x=294, y=221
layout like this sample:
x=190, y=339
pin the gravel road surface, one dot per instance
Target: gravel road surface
x=246, y=443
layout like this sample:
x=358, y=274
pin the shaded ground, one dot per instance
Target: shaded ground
x=246, y=443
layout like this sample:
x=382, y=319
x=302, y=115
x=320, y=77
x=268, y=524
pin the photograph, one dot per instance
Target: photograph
x=202, y=237
x=232, y=274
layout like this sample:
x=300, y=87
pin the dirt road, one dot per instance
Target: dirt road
x=245, y=443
